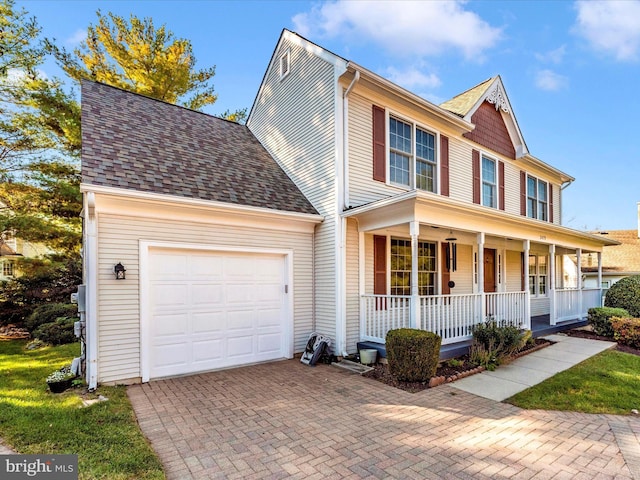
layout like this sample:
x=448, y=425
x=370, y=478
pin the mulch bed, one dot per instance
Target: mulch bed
x=445, y=373
x=583, y=333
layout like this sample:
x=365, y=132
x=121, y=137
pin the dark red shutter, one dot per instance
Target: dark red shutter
x=501, y=184
x=444, y=165
x=551, y=203
x=523, y=193
x=379, y=265
x=446, y=275
x=379, y=146
x=475, y=156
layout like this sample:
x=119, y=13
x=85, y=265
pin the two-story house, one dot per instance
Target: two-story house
x=347, y=206
x=435, y=217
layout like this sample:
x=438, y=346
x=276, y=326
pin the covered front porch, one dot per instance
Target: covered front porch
x=441, y=266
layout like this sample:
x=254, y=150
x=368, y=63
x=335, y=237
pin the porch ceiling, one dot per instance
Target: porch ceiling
x=436, y=210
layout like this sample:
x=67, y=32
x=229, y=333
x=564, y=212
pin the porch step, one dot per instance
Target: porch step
x=540, y=329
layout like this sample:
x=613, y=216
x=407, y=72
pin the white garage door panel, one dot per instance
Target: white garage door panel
x=212, y=310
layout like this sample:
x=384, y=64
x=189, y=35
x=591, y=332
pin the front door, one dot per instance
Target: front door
x=490, y=270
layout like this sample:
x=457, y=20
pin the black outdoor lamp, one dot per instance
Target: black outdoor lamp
x=119, y=270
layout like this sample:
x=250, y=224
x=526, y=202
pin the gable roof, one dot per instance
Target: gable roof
x=623, y=258
x=463, y=103
x=134, y=142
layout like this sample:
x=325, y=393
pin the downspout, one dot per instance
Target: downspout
x=344, y=206
x=91, y=277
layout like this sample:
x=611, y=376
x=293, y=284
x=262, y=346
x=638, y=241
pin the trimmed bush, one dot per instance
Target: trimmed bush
x=412, y=354
x=49, y=313
x=56, y=333
x=493, y=343
x=600, y=319
x=626, y=331
x=625, y=294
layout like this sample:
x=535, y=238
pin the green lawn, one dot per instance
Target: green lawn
x=105, y=435
x=606, y=383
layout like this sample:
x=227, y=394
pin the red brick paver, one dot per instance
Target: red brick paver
x=288, y=420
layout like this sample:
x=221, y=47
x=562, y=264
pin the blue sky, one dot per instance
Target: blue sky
x=571, y=69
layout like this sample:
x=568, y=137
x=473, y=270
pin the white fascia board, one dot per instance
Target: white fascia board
x=446, y=212
x=564, y=177
x=154, y=205
x=392, y=88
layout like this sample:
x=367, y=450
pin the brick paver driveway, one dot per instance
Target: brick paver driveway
x=288, y=420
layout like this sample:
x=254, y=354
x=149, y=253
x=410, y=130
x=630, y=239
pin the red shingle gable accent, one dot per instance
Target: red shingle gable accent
x=490, y=131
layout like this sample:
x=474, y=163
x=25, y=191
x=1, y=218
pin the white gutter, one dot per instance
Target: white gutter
x=91, y=278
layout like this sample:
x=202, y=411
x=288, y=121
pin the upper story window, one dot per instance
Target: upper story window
x=537, y=199
x=285, y=64
x=489, y=183
x=8, y=268
x=412, y=155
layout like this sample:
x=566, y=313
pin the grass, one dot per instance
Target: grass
x=606, y=383
x=105, y=435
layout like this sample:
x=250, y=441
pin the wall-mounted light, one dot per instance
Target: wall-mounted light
x=452, y=253
x=119, y=270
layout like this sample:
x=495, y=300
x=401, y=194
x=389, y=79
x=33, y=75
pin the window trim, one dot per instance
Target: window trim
x=284, y=60
x=433, y=273
x=495, y=184
x=8, y=268
x=536, y=215
x=389, y=114
x=535, y=283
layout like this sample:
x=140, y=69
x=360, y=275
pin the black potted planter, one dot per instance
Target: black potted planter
x=60, y=386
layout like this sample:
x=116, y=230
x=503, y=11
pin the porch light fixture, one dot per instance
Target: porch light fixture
x=452, y=253
x=119, y=270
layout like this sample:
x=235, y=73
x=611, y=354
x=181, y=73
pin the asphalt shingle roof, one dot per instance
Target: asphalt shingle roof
x=463, y=103
x=134, y=142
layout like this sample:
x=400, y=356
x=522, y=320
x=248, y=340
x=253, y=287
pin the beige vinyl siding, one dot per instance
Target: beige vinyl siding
x=368, y=264
x=460, y=170
x=557, y=206
x=352, y=286
x=540, y=306
x=514, y=271
x=119, y=301
x=294, y=118
x=463, y=276
x=511, y=188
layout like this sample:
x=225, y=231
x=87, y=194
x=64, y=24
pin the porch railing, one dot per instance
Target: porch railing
x=450, y=316
x=571, y=303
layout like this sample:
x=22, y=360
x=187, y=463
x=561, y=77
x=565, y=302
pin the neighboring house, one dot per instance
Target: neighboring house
x=8, y=255
x=346, y=206
x=618, y=261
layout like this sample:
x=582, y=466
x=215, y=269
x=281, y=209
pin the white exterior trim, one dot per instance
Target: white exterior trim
x=145, y=246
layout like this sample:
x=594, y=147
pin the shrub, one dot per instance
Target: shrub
x=48, y=313
x=493, y=343
x=600, y=319
x=625, y=294
x=56, y=333
x=412, y=354
x=626, y=331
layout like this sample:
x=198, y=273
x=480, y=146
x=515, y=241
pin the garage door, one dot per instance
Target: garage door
x=212, y=310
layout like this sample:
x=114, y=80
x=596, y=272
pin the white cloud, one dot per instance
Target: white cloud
x=15, y=76
x=413, y=78
x=551, y=81
x=612, y=27
x=77, y=38
x=403, y=28
x=553, y=56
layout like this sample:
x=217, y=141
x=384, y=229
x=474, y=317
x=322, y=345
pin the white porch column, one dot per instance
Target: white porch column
x=552, y=285
x=414, y=231
x=599, y=277
x=526, y=246
x=483, y=302
x=579, y=281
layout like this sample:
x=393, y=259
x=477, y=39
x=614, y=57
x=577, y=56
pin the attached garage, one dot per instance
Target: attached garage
x=210, y=309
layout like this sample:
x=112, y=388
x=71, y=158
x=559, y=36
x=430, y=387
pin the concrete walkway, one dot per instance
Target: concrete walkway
x=524, y=372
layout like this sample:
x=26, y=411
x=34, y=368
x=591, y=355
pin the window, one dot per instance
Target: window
x=401, y=267
x=285, y=64
x=489, y=182
x=538, y=275
x=412, y=156
x=537, y=200
x=8, y=268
